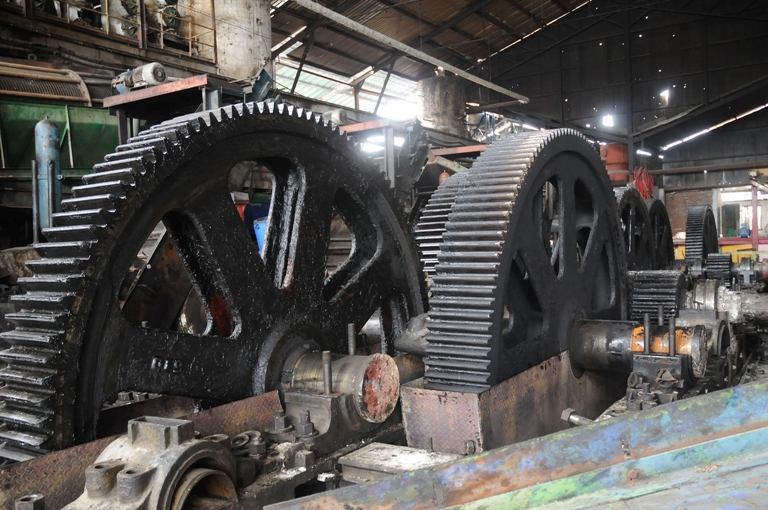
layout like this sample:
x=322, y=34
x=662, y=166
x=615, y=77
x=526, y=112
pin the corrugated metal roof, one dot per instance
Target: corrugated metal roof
x=399, y=101
x=475, y=36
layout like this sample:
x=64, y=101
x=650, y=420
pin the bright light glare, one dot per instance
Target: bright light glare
x=528, y=126
x=643, y=153
x=397, y=110
x=608, y=120
x=370, y=147
x=380, y=139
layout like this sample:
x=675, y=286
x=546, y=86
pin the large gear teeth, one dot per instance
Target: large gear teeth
x=465, y=274
x=700, y=233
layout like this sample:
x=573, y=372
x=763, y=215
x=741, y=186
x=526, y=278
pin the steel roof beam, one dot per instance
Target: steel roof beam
x=397, y=45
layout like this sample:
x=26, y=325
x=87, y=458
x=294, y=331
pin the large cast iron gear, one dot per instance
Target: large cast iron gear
x=700, y=233
x=431, y=226
x=73, y=350
x=636, y=226
x=532, y=242
x=651, y=289
x=662, y=234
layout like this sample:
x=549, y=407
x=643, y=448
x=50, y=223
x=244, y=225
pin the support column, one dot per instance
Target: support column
x=243, y=38
x=755, y=225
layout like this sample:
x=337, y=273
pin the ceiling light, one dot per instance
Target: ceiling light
x=643, y=153
x=607, y=120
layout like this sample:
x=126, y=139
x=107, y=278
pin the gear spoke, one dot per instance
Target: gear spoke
x=170, y=362
x=213, y=237
x=313, y=214
x=567, y=236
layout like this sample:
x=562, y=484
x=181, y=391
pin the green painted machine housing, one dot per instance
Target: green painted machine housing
x=86, y=136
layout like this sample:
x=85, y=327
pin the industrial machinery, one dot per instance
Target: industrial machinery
x=531, y=297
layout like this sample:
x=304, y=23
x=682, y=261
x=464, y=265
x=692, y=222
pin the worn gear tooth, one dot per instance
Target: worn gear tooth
x=52, y=282
x=107, y=202
x=73, y=233
x=45, y=339
x=49, y=301
x=37, y=319
x=64, y=250
x=27, y=355
x=26, y=375
x=22, y=416
x=26, y=396
x=22, y=438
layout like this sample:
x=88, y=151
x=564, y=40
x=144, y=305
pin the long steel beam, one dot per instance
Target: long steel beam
x=418, y=55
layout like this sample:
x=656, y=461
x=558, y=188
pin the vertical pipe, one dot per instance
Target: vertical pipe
x=660, y=316
x=646, y=333
x=672, y=337
x=389, y=155
x=47, y=156
x=327, y=373
x=755, y=226
x=351, y=339
x=35, y=212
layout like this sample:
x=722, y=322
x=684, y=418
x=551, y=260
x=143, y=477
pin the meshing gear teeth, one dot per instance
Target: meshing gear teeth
x=700, y=233
x=41, y=408
x=651, y=289
x=719, y=267
x=431, y=226
x=478, y=282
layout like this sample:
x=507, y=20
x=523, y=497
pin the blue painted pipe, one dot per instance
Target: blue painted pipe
x=48, y=170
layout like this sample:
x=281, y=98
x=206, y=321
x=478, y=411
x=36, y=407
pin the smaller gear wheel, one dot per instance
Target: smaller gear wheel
x=662, y=233
x=700, y=233
x=636, y=227
x=719, y=267
x=651, y=289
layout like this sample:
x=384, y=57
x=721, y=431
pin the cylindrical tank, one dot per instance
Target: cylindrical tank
x=442, y=101
x=616, y=159
x=243, y=38
x=48, y=170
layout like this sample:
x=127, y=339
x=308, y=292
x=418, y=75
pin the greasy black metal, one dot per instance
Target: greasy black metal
x=73, y=349
x=637, y=229
x=700, y=233
x=718, y=267
x=651, y=289
x=532, y=240
x=662, y=234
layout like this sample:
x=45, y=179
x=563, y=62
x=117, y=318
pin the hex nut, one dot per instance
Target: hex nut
x=304, y=459
x=30, y=502
x=257, y=446
x=567, y=413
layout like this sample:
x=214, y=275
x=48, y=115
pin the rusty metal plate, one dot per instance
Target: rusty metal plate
x=60, y=476
x=523, y=407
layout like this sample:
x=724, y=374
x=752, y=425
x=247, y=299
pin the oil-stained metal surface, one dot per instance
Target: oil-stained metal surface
x=60, y=477
x=520, y=408
x=690, y=433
